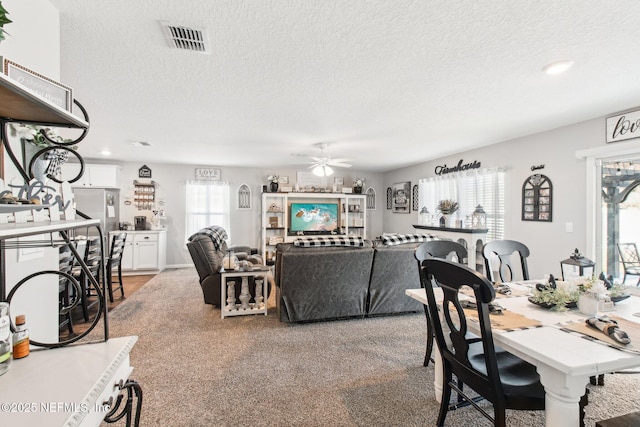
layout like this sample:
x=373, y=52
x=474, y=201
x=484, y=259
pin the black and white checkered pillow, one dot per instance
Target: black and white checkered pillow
x=217, y=234
x=399, y=239
x=317, y=241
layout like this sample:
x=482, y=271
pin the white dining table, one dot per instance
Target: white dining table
x=564, y=360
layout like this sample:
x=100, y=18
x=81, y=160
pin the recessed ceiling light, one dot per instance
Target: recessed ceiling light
x=557, y=67
x=105, y=152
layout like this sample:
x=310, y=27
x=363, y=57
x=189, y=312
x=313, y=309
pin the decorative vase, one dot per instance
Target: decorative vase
x=588, y=303
x=357, y=190
x=273, y=187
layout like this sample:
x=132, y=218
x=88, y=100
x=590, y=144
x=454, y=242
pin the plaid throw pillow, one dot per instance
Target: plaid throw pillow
x=399, y=239
x=217, y=234
x=317, y=241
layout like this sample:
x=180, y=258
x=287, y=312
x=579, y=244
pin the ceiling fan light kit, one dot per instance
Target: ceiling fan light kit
x=322, y=170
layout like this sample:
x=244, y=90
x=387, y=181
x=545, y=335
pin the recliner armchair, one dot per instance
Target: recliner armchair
x=208, y=248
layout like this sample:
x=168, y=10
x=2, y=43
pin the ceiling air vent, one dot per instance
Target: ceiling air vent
x=181, y=37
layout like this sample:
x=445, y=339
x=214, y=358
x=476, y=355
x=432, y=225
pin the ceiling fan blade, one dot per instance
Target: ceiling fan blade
x=339, y=164
x=340, y=160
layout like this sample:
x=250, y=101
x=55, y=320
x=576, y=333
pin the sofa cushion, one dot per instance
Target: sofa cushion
x=317, y=241
x=399, y=239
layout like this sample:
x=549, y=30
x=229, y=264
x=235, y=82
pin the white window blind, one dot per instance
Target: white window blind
x=470, y=188
x=207, y=203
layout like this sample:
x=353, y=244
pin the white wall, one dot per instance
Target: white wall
x=548, y=241
x=35, y=43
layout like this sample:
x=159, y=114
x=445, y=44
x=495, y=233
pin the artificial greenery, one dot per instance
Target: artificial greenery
x=3, y=21
x=618, y=290
x=447, y=206
x=556, y=297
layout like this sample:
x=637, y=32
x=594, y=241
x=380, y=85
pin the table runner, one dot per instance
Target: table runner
x=631, y=328
x=507, y=321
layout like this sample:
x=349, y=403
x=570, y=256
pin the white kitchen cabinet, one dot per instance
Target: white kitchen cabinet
x=95, y=175
x=145, y=251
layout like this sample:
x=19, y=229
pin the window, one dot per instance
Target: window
x=207, y=203
x=471, y=188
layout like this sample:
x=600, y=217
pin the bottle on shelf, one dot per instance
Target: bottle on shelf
x=5, y=338
x=21, y=338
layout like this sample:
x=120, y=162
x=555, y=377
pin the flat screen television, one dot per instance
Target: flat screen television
x=313, y=218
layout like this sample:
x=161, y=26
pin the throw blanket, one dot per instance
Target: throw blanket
x=312, y=242
x=217, y=234
x=399, y=239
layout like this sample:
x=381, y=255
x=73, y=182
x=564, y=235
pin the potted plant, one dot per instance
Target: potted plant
x=447, y=207
x=42, y=156
x=3, y=21
x=273, y=183
x=358, y=184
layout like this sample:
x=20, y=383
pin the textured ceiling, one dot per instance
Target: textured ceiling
x=386, y=83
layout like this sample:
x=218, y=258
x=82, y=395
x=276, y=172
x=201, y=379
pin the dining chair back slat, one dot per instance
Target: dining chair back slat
x=444, y=249
x=499, y=260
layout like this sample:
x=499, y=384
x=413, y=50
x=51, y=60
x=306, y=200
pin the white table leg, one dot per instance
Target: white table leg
x=245, y=296
x=562, y=396
x=231, y=295
x=259, y=288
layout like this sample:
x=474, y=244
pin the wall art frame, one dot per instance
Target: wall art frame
x=401, y=198
x=537, y=198
x=45, y=87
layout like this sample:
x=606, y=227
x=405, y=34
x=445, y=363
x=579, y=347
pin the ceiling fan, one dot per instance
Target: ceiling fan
x=322, y=165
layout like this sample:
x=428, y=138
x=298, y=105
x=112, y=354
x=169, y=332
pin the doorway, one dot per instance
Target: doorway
x=619, y=211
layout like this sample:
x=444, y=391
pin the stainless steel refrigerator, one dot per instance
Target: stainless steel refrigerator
x=99, y=203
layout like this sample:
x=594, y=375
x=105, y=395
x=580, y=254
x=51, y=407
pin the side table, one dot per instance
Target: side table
x=231, y=308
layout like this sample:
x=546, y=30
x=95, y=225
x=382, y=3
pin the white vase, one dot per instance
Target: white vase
x=588, y=303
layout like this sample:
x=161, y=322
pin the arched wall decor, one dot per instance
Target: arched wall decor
x=244, y=197
x=371, y=198
x=416, y=201
x=389, y=197
x=537, y=198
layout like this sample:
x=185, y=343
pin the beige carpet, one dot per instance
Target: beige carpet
x=199, y=370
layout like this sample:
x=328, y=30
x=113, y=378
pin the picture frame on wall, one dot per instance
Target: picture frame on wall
x=43, y=86
x=401, y=197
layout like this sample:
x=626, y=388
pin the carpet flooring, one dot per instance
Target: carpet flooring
x=197, y=369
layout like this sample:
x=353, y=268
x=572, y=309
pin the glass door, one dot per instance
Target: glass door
x=619, y=211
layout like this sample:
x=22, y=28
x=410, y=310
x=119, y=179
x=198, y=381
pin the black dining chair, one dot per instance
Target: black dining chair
x=502, y=378
x=93, y=260
x=498, y=258
x=444, y=249
x=115, y=261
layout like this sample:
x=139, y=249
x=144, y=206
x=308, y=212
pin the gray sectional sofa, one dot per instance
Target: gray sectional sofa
x=326, y=283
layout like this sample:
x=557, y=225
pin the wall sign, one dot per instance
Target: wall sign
x=43, y=86
x=444, y=169
x=208, y=174
x=144, y=172
x=623, y=126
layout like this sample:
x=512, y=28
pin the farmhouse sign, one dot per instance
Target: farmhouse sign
x=444, y=169
x=144, y=172
x=623, y=126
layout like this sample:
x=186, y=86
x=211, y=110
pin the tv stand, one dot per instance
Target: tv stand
x=352, y=218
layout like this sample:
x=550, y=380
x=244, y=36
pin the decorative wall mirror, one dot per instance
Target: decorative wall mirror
x=244, y=197
x=537, y=195
x=371, y=198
